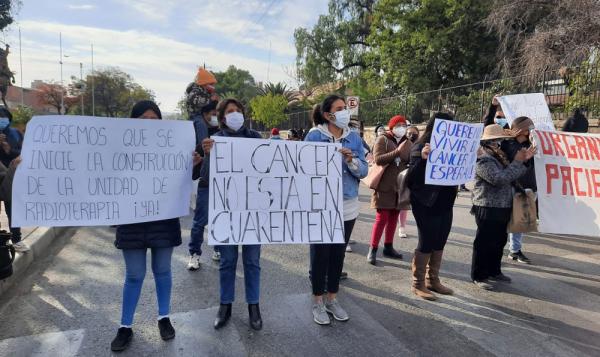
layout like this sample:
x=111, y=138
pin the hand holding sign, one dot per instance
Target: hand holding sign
x=207, y=145
x=348, y=155
x=425, y=151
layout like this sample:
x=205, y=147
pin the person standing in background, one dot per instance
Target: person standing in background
x=11, y=141
x=412, y=134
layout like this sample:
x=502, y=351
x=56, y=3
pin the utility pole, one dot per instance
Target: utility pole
x=82, y=89
x=62, y=95
x=21, y=70
x=93, y=90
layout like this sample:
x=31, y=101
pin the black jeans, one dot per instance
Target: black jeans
x=327, y=262
x=16, y=232
x=434, y=228
x=488, y=248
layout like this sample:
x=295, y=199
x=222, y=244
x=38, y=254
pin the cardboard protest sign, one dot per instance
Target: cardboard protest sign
x=87, y=171
x=453, y=153
x=531, y=105
x=275, y=192
x=567, y=169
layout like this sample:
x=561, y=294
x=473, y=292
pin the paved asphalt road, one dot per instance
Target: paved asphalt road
x=70, y=303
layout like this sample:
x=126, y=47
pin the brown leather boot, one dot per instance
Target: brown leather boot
x=433, y=274
x=419, y=264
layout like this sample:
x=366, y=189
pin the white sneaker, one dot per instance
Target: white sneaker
x=402, y=233
x=21, y=247
x=348, y=248
x=194, y=263
x=216, y=256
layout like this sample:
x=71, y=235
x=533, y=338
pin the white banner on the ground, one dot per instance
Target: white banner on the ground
x=531, y=105
x=87, y=171
x=275, y=192
x=453, y=153
x=567, y=169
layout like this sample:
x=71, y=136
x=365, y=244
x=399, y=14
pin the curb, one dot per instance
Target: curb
x=39, y=242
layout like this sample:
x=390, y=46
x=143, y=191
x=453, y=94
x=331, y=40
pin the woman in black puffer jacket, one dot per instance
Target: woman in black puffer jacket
x=134, y=240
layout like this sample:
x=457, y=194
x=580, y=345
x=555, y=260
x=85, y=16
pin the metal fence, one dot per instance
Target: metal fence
x=565, y=90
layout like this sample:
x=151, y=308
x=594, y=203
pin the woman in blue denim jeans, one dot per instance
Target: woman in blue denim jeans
x=134, y=240
x=231, y=119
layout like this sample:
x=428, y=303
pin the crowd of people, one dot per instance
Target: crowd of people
x=504, y=166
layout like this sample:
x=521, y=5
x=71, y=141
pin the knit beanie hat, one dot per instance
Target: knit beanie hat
x=398, y=119
x=274, y=131
x=204, y=77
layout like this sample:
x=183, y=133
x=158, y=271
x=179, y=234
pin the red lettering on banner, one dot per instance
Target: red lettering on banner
x=581, y=147
x=576, y=172
x=565, y=171
x=596, y=180
x=556, y=142
x=575, y=181
x=592, y=144
x=545, y=142
x=551, y=173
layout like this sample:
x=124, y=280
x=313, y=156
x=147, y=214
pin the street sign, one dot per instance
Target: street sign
x=352, y=103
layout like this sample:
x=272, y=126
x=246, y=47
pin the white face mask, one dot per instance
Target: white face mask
x=234, y=120
x=214, y=121
x=399, y=131
x=342, y=119
x=4, y=122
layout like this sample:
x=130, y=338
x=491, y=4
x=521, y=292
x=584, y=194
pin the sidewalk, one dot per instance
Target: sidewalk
x=38, y=239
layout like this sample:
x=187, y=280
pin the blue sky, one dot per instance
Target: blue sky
x=159, y=42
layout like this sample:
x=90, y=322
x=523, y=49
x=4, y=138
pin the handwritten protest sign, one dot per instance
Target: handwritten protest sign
x=86, y=171
x=275, y=192
x=531, y=105
x=567, y=170
x=453, y=153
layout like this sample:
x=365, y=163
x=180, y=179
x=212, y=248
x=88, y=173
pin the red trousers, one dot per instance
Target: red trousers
x=385, y=219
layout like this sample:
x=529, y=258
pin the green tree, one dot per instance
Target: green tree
x=237, y=83
x=269, y=109
x=22, y=114
x=337, y=45
x=7, y=11
x=115, y=93
x=419, y=45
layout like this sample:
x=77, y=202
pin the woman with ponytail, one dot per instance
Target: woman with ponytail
x=331, y=120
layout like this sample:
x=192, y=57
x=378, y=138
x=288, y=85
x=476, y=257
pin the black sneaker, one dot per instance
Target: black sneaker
x=520, y=257
x=167, y=332
x=122, y=340
x=344, y=275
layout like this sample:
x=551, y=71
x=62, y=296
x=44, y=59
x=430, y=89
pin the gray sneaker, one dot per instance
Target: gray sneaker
x=333, y=307
x=320, y=314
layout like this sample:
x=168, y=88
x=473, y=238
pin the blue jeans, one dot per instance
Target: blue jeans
x=227, y=268
x=135, y=271
x=199, y=222
x=515, y=242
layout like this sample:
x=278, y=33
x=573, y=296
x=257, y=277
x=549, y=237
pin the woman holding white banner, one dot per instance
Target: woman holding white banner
x=492, y=204
x=134, y=240
x=432, y=207
x=231, y=119
x=331, y=120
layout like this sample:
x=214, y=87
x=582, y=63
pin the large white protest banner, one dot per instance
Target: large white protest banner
x=531, y=105
x=567, y=169
x=275, y=192
x=87, y=171
x=453, y=153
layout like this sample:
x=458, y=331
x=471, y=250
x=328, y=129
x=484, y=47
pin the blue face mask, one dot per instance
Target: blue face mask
x=501, y=121
x=4, y=122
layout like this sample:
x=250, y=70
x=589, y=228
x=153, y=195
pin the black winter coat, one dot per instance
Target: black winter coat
x=421, y=193
x=527, y=180
x=157, y=234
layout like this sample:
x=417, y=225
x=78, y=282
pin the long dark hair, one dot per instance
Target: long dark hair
x=142, y=106
x=319, y=109
x=426, y=137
